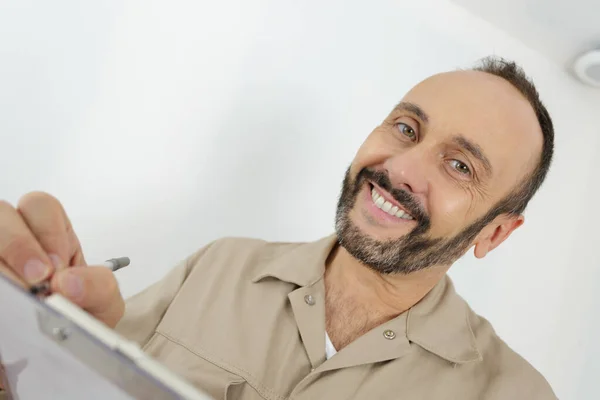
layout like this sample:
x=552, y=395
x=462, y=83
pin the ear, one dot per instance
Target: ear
x=496, y=232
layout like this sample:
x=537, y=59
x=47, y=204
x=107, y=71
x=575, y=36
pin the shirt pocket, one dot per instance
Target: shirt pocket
x=241, y=390
x=197, y=370
x=234, y=390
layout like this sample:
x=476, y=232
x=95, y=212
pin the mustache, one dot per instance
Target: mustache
x=404, y=198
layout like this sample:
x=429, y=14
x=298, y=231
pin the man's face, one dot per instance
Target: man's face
x=421, y=185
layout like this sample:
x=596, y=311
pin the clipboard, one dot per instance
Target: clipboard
x=50, y=348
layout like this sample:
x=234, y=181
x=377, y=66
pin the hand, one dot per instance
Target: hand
x=37, y=241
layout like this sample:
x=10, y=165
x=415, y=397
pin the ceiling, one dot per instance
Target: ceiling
x=560, y=29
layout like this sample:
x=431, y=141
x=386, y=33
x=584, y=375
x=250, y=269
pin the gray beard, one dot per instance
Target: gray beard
x=409, y=253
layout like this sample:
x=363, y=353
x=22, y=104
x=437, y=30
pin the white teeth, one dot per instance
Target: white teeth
x=388, y=207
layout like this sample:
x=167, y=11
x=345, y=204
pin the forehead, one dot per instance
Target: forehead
x=488, y=111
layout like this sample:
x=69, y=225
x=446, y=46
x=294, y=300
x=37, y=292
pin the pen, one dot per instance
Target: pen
x=117, y=263
x=43, y=288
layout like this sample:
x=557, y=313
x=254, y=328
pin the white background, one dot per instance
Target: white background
x=164, y=125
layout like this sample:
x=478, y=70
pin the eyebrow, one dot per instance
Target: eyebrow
x=475, y=150
x=460, y=140
x=413, y=108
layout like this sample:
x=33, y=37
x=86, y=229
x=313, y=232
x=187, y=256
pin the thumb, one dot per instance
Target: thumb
x=95, y=289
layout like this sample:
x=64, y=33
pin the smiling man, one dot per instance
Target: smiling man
x=368, y=313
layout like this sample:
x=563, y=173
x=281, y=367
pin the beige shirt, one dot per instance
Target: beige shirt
x=245, y=319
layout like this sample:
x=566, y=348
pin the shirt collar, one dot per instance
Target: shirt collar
x=439, y=323
x=299, y=263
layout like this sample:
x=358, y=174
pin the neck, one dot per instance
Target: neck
x=385, y=296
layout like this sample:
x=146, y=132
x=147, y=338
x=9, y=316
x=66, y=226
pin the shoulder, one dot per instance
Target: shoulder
x=239, y=253
x=232, y=248
x=509, y=374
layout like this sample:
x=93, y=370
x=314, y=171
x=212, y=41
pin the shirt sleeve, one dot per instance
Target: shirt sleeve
x=145, y=310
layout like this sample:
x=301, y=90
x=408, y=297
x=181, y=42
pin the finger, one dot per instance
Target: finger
x=44, y=216
x=95, y=289
x=10, y=274
x=48, y=221
x=19, y=249
x=76, y=255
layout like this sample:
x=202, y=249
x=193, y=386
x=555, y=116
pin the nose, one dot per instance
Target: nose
x=408, y=171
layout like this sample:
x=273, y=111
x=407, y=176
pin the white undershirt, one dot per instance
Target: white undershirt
x=329, y=349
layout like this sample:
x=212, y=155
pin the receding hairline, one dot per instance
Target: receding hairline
x=481, y=74
x=530, y=165
x=536, y=156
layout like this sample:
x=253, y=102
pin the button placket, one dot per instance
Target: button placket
x=309, y=312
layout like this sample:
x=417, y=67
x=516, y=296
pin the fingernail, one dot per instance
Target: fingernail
x=71, y=285
x=56, y=261
x=35, y=271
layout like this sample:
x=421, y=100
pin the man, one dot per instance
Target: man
x=366, y=314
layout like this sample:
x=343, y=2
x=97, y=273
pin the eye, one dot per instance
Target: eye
x=407, y=130
x=461, y=167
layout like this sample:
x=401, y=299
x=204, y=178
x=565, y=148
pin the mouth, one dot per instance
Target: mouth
x=386, y=203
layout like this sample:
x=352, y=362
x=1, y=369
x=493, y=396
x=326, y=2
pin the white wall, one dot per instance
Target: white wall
x=164, y=125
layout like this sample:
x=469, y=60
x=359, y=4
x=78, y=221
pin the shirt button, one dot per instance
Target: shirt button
x=308, y=299
x=389, y=334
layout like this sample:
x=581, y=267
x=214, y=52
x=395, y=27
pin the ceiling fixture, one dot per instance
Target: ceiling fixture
x=587, y=68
